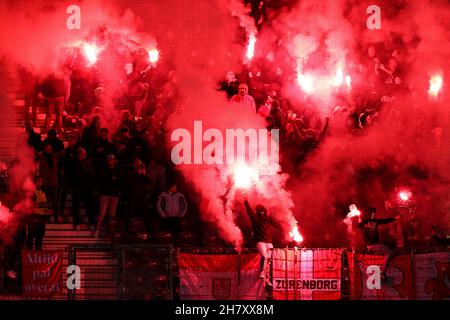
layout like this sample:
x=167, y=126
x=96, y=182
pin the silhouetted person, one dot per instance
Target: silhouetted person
x=369, y=227
x=69, y=158
x=102, y=148
x=48, y=172
x=90, y=135
x=262, y=235
x=108, y=181
x=83, y=189
x=36, y=221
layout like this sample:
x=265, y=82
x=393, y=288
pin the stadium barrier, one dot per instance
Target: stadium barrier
x=163, y=272
x=143, y=272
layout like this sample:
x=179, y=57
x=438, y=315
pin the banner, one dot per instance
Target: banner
x=41, y=272
x=251, y=287
x=363, y=268
x=300, y=274
x=432, y=272
x=209, y=277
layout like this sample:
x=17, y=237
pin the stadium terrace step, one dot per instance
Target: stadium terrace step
x=63, y=227
x=18, y=103
x=68, y=233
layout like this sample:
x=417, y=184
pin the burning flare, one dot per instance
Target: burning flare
x=251, y=46
x=245, y=176
x=91, y=51
x=295, y=235
x=405, y=195
x=305, y=82
x=354, y=212
x=153, y=55
x=339, y=78
x=435, y=86
x=348, y=81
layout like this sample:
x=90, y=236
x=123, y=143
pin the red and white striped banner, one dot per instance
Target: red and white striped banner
x=300, y=274
x=221, y=277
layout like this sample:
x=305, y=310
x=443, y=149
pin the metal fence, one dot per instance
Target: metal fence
x=153, y=272
x=140, y=272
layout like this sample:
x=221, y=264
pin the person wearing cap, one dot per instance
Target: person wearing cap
x=244, y=98
x=262, y=235
x=108, y=185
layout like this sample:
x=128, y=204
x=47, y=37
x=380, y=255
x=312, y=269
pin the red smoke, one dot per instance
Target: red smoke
x=311, y=44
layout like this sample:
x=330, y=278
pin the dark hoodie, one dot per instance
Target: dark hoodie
x=370, y=229
x=261, y=225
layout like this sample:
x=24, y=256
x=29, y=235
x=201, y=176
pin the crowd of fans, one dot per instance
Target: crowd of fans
x=118, y=170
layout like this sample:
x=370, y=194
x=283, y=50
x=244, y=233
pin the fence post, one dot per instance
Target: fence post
x=413, y=275
x=345, y=278
x=286, y=274
x=239, y=275
x=2, y=271
x=121, y=272
x=170, y=273
x=295, y=274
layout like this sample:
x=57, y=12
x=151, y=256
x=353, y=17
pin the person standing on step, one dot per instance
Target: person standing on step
x=108, y=182
x=68, y=158
x=48, y=172
x=83, y=190
x=36, y=221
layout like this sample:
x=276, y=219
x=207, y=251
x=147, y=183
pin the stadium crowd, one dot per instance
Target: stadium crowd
x=118, y=169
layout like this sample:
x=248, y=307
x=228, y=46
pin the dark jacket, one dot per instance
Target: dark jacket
x=85, y=175
x=48, y=170
x=88, y=138
x=68, y=160
x=108, y=181
x=370, y=229
x=126, y=152
x=101, y=150
x=57, y=145
x=261, y=226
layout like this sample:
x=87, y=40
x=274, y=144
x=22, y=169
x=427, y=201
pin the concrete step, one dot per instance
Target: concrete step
x=63, y=227
x=69, y=241
x=68, y=234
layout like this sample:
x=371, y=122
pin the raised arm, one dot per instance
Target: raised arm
x=161, y=204
x=385, y=221
x=249, y=209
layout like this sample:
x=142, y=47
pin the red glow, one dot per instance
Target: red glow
x=251, y=46
x=435, y=85
x=91, y=51
x=5, y=215
x=153, y=55
x=305, y=82
x=348, y=81
x=354, y=212
x=339, y=78
x=245, y=176
x=295, y=235
x=405, y=195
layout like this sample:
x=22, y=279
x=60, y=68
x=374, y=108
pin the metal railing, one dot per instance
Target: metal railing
x=142, y=272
